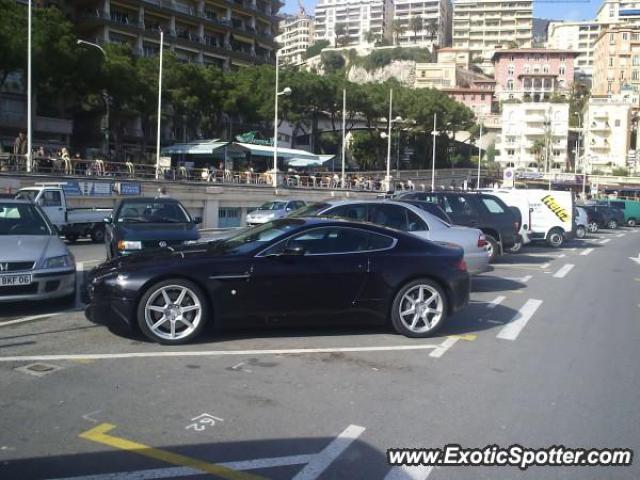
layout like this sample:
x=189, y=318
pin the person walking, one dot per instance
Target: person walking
x=19, y=147
x=68, y=168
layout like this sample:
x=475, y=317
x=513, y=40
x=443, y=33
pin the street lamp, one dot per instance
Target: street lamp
x=287, y=91
x=575, y=161
x=105, y=97
x=388, y=136
x=29, y=129
x=159, y=105
x=479, y=153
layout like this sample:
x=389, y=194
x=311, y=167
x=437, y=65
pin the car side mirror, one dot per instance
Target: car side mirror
x=294, y=250
x=107, y=220
x=197, y=220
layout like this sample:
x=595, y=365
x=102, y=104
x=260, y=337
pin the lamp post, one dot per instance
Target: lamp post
x=388, y=137
x=575, y=161
x=105, y=97
x=344, y=138
x=433, y=157
x=287, y=92
x=159, y=106
x=479, y=154
x=29, y=129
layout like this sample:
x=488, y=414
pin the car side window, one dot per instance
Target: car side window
x=492, y=205
x=460, y=206
x=392, y=216
x=356, y=212
x=51, y=198
x=416, y=224
x=334, y=240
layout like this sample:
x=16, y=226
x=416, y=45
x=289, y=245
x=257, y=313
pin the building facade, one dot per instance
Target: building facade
x=483, y=25
x=533, y=74
x=534, y=135
x=607, y=126
x=296, y=35
x=579, y=37
x=612, y=11
x=478, y=98
x=616, y=61
x=353, y=22
x=435, y=17
x=226, y=34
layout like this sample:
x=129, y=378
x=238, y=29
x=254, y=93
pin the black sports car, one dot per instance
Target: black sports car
x=294, y=271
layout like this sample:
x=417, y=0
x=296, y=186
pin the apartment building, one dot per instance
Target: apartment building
x=612, y=11
x=616, y=61
x=532, y=74
x=482, y=26
x=607, y=126
x=435, y=16
x=229, y=34
x=296, y=35
x=353, y=22
x=579, y=37
x=479, y=98
x=534, y=135
x=460, y=56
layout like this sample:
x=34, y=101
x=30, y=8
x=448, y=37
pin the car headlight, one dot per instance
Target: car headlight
x=58, y=262
x=129, y=245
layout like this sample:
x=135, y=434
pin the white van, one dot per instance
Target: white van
x=551, y=213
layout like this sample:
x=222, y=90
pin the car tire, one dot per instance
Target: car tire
x=494, y=248
x=166, y=300
x=581, y=231
x=516, y=247
x=612, y=225
x=555, y=238
x=97, y=234
x=427, y=316
x=71, y=237
x=632, y=222
x=593, y=227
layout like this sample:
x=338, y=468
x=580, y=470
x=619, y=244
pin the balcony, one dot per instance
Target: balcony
x=600, y=127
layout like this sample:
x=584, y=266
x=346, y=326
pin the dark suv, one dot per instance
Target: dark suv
x=478, y=210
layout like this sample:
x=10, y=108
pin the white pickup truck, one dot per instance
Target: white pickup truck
x=72, y=222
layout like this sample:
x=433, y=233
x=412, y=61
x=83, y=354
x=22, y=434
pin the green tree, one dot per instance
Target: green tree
x=315, y=49
x=13, y=20
x=370, y=37
x=341, y=34
x=332, y=62
x=398, y=28
x=416, y=24
x=432, y=29
x=620, y=172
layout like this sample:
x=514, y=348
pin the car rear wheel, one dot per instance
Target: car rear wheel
x=172, y=312
x=581, y=231
x=419, y=309
x=493, y=248
x=71, y=237
x=593, y=227
x=612, y=224
x=97, y=234
x=555, y=238
x=632, y=222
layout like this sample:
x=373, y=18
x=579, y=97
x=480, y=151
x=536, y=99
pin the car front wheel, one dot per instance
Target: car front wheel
x=612, y=225
x=581, y=232
x=419, y=309
x=593, y=227
x=631, y=222
x=555, y=238
x=172, y=312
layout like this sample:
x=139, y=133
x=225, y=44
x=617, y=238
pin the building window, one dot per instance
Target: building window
x=612, y=39
x=609, y=87
x=511, y=152
x=563, y=58
x=625, y=36
x=545, y=69
x=511, y=71
x=634, y=75
x=561, y=71
x=617, y=122
x=510, y=85
x=512, y=58
x=527, y=68
x=611, y=61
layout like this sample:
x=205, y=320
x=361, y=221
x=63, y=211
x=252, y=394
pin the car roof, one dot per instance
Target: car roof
x=149, y=199
x=16, y=201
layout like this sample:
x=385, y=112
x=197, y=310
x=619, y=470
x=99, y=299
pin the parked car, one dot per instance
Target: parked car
x=143, y=223
x=272, y=211
x=519, y=205
x=477, y=210
x=35, y=264
x=412, y=219
x=613, y=217
x=294, y=270
x=582, y=222
x=596, y=218
x=631, y=209
x=71, y=222
x=432, y=208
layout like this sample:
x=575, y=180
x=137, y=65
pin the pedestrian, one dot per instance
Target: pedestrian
x=66, y=158
x=162, y=192
x=20, y=147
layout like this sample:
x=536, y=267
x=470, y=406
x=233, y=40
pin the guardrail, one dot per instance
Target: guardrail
x=360, y=181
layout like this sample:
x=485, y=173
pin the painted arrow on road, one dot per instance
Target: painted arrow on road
x=637, y=260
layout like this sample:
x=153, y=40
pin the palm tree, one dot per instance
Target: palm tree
x=370, y=37
x=341, y=33
x=416, y=24
x=398, y=29
x=433, y=29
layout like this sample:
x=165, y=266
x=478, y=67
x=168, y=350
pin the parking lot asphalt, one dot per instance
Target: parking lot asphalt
x=545, y=354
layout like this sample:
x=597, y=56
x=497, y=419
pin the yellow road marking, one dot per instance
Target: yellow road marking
x=98, y=434
x=468, y=336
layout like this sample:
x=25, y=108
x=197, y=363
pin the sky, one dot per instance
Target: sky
x=552, y=9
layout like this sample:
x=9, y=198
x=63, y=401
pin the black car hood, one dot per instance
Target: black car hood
x=157, y=231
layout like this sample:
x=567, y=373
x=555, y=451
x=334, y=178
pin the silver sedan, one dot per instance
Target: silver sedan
x=409, y=218
x=35, y=264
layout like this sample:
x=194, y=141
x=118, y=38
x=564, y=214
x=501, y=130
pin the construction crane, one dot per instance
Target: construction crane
x=303, y=12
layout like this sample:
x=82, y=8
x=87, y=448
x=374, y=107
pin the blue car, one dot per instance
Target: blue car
x=148, y=223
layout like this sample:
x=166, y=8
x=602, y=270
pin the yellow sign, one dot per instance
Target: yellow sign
x=555, y=207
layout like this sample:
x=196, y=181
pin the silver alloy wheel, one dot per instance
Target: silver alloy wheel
x=612, y=225
x=555, y=239
x=173, y=312
x=421, y=308
x=593, y=227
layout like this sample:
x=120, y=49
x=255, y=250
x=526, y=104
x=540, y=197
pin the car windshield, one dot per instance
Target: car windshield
x=155, y=211
x=252, y=238
x=27, y=195
x=310, y=210
x=273, y=206
x=22, y=219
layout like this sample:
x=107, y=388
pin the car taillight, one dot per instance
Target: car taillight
x=482, y=241
x=461, y=266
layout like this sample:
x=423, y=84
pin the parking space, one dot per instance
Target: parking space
x=328, y=402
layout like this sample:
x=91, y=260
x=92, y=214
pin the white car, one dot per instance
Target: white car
x=35, y=264
x=412, y=219
x=582, y=222
x=273, y=210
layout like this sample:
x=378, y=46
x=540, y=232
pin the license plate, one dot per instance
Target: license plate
x=10, y=280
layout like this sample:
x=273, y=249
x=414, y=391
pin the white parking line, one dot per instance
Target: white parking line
x=621, y=235
x=587, y=251
x=409, y=473
x=444, y=346
x=564, y=271
x=512, y=329
x=321, y=461
x=214, y=353
x=31, y=318
x=545, y=266
x=496, y=301
x=606, y=240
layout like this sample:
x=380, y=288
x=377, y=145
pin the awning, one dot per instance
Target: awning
x=194, y=148
x=286, y=153
x=304, y=162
